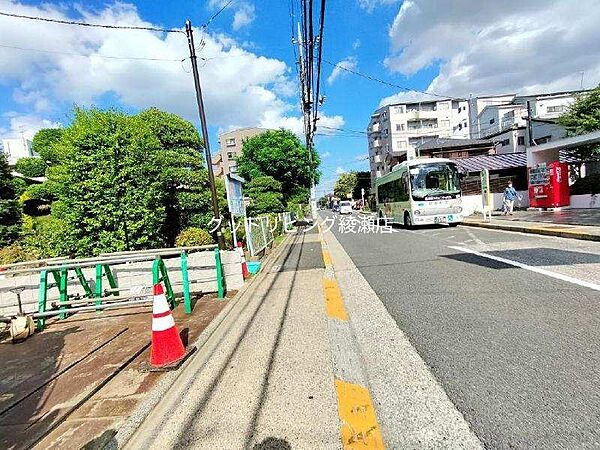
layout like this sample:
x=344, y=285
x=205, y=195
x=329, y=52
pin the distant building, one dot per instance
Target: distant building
x=503, y=119
x=401, y=131
x=15, y=149
x=230, y=146
x=395, y=131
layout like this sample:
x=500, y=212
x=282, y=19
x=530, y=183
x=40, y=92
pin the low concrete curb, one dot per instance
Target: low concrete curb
x=151, y=400
x=574, y=234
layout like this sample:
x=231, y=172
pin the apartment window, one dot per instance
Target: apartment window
x=444, y=106
x=521, y=140
x=556, y=109
x=230, y=155
x=400, y=127
x=386, y=132
x=401, y=144
x=460, y=126
x=505, y=142
x=465, y=125
x=445, y=123
x=399, y=109
x=233, y=169
x=230, y=142
x=459, y=108
x=492, y=121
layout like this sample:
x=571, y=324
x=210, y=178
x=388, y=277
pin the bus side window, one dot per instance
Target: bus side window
x=404, y=187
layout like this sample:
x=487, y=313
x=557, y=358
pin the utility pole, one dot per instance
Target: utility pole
x=218, y=236
x=529, y=127
x=306, y=112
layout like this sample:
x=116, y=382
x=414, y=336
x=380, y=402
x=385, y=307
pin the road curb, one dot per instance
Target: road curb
x=535, y=230
x=153, y=397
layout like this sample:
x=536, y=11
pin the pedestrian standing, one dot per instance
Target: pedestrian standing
x=510, y=194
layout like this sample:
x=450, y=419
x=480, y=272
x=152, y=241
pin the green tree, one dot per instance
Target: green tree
x=31, y=167
x=583, y=117
x=128, y=182
x=345, y=185
x=44, y=144
x=279, y=154
x=265, y=194
x=10, y=210
x=363, y=181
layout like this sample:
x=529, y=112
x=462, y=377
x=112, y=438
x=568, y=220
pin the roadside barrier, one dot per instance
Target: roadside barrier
x=117, y=280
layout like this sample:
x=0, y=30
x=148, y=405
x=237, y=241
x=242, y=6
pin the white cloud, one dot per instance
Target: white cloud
x=245, y=15
x=361, y=157
x=350, y=63
x=509, y=46
x=325, y=154
x=240, y=88
x=370, y=5
x=28, y=125
x=340, y=170
x=356, y=44
x=244, y=12
x=407, y=97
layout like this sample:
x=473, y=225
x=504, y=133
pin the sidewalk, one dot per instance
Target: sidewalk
x=263, y=379
x=570, y=223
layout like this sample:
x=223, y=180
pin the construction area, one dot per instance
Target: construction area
x=71, y=383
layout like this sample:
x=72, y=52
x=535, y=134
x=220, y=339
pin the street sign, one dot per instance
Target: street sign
x=235, y=197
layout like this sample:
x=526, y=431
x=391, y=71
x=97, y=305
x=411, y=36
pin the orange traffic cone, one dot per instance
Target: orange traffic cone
x=167, y=351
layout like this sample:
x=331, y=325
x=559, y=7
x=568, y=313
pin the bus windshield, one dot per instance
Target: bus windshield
x=434, y=180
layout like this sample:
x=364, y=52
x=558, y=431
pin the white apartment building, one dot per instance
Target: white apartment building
x=503, y=119
x=230, y=146
x=15, y=149
x=395, y=130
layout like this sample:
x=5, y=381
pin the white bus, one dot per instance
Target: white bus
x=420, y=192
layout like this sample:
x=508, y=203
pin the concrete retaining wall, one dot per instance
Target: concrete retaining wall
x=138, y=276
x=585, y=201
x=472, y=203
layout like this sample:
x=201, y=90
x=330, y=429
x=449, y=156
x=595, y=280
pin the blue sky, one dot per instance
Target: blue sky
x=449, y=47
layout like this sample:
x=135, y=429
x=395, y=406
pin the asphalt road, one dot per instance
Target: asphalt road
x=517, y=349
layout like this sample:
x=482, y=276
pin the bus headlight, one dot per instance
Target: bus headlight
x=417, y=212
x=457, y=209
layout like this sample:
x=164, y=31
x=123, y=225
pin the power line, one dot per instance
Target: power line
x=92, y=25
x=58, y=52
x=387, y=83
x=214, y=16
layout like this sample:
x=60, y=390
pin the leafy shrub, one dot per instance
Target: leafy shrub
x=191, y=237
x=10, y=209
x=16, y=253
x=20, y=186
x=31, y=167
x=48, y=237
x=588, y=185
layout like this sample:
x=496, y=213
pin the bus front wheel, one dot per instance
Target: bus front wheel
x=407, y=221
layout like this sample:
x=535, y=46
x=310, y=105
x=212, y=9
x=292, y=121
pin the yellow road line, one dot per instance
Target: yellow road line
x=359, y=428
x=334, y=304
x=326, y=258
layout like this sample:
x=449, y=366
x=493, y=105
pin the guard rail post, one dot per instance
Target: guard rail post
x=220, y=278
x=62, y=288
x=187, y=300
x=42, y=296
x=159, y=273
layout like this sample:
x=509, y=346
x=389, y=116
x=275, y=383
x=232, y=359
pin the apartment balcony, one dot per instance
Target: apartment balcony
x=429, y=114
x=377, y=159
x=377, y=143
x=376, y=128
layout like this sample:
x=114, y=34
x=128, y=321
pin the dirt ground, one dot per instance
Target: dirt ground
x=66, y=386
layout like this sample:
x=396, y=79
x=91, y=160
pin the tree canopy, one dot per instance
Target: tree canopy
x=10, y=210
x=127, y=182
x=583, y=117
x=279, y=154
x=265, y=194
x=44, y=141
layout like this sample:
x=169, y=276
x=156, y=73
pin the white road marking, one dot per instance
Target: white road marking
x=558, y=276
x=475, y=238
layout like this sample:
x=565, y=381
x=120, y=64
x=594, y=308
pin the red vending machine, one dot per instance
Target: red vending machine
x=549, y=185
